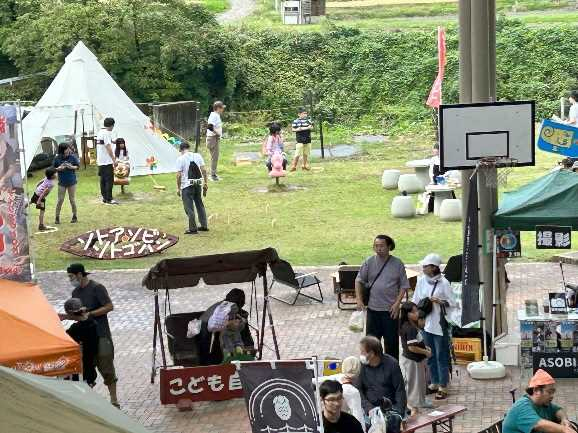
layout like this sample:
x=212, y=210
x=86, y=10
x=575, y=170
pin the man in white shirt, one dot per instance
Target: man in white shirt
x=191, y=182
x=214, y=133
x=106, y=160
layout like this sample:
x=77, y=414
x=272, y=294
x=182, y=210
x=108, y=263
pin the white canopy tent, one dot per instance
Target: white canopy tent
x=83, y=86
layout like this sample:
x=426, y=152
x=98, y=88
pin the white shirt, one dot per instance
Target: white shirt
x=106, y=137
x=215, y=120
x=573, y=114
x=183, y=162
x=443, y=291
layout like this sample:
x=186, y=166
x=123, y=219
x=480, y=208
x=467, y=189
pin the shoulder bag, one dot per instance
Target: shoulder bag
x=367, y=290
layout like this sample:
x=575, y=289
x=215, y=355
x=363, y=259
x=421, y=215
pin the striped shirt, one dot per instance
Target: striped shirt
x=302, y=136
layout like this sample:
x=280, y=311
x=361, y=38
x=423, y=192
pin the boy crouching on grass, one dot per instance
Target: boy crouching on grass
x=41, y=192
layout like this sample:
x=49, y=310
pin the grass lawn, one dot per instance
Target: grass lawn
x=334, y=218
x=390, y=15
x=215, y=6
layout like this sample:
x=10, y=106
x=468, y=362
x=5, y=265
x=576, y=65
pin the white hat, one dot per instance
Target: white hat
x=431, y=259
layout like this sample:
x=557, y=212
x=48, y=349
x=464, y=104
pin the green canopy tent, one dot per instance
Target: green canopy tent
x=549, y=200
x=32, y=403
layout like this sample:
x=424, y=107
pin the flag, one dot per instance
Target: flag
x=471, y=267
x=435, y=96
x=280, y=399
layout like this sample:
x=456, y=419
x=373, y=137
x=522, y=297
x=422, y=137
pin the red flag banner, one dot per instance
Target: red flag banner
x=435, y=96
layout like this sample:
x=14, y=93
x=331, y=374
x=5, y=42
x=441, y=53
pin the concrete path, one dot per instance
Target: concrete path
x=239, y=9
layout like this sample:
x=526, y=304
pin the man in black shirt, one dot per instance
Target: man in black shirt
x=335, y=421
x=381, y=377
x=98, y=304
x=84, y=332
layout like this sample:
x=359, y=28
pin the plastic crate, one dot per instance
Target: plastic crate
x=467, y=350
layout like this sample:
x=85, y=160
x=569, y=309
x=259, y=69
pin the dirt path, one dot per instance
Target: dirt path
x=239, y=9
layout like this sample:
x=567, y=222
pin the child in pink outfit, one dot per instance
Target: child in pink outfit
x=275, y=145
x=41, y=192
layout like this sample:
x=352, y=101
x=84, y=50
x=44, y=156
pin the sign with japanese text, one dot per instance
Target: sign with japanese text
x=14, y=244
x=559, y=365
x=210, y=383
x=508, y=243
x=553, y=237
x=119, y=243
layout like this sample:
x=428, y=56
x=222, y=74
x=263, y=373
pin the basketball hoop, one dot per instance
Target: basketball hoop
x=499, y=176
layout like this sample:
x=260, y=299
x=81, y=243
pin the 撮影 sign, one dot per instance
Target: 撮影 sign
x=553, y=237
x=119, y=243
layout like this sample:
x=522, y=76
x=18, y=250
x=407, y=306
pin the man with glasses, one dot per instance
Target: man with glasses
x=334, y=420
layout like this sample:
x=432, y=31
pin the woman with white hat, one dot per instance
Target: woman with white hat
x=433, y=295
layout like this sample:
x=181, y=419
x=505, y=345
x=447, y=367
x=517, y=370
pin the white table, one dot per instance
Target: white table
x=440, y=193
x=421, y=167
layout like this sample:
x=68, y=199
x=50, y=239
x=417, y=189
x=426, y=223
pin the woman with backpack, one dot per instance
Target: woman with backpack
x=433, y=295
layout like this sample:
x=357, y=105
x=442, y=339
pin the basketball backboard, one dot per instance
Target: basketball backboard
x=501, y=130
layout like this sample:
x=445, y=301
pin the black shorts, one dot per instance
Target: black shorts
x=39, y=205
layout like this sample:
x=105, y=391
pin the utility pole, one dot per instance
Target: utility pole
x=478, y=84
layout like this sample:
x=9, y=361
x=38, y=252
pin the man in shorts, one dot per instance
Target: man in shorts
x=98, y=304
x=302, y=127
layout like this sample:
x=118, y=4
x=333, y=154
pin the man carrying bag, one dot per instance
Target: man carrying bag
x=380, y=287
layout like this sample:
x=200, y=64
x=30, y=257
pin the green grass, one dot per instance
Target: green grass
x=333, y=219
x=408, y=17
x=215, y=6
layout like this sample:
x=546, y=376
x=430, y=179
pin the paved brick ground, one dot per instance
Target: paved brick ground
x=305, y=329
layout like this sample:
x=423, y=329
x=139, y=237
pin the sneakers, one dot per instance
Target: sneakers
x=57, y=220
x=74, y=219
x=191, y=232
x=113, y=202
x=305, y=168
x=215, y=178
x=42, y=228
x=293, y=169
x=203, y=229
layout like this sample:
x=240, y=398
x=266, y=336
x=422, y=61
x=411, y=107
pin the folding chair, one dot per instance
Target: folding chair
x=494, y=428
x=283, y=273
x=346, y=286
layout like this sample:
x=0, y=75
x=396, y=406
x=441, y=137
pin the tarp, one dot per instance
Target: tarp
x=39, y=404
x=84, y=86
x=33, y=338
x=229, y=268
x=549, y=200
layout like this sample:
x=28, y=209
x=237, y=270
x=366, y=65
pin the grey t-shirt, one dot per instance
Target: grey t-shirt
x=386, y=289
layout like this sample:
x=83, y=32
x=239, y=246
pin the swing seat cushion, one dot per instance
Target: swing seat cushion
x=184, y=351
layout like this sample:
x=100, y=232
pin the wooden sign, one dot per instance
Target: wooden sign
x=119, y=243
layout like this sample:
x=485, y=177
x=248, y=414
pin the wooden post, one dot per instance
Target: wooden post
x=197, y=129
x=321, y=135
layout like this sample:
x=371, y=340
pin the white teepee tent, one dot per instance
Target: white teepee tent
x=84, y=86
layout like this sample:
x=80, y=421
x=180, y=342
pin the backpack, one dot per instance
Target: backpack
x=194, y=171
x=219, y=317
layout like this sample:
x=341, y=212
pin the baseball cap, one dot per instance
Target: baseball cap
x=73, y=305
x=218, y=104
x=541, y=378
x=76, y=268
x=431, y=259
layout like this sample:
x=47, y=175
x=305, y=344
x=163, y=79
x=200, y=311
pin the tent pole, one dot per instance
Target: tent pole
x=156, y=319
x=264, y=315
x=161, y=336
x=273, y=331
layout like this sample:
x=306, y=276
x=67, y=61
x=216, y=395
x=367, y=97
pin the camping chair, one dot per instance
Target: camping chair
x=494, y=428
x=346, y=287
x=283, y=273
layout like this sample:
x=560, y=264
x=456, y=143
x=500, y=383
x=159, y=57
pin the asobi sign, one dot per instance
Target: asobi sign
x=119, y=243
x=210, y=383
x=560, y=365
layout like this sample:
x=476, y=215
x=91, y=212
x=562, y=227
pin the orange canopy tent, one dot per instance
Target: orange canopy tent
x=33, y=339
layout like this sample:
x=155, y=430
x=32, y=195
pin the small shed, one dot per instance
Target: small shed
x=301, y=11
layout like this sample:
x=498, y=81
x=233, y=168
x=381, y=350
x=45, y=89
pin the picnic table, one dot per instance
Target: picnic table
x=421, y=168
x=440, y=193
x=440, y=419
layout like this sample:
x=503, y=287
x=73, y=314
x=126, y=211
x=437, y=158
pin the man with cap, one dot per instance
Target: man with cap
x=433, y=285
x=535, y=410
x=214, y=133
x=98, y=304
x=84, y=332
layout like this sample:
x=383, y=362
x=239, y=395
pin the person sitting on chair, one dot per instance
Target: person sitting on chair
x=535, y=410
x=211, y=354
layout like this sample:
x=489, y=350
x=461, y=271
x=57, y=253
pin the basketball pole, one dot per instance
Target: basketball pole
x=477, y=31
